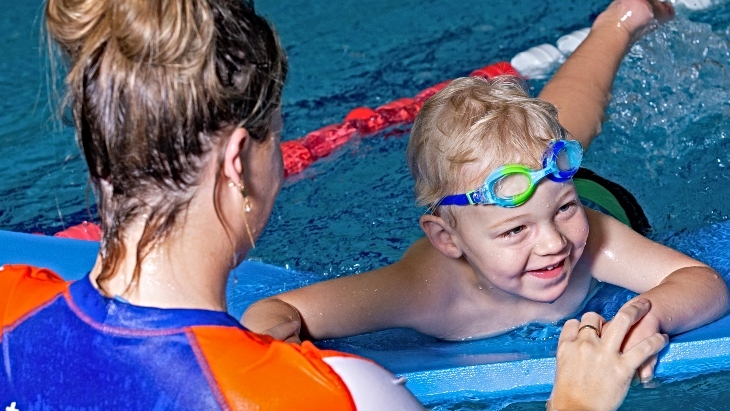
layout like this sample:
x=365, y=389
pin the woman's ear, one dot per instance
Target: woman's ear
x=232, y=153
x=440, y=234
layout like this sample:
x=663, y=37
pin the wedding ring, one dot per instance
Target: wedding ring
x=598, y=333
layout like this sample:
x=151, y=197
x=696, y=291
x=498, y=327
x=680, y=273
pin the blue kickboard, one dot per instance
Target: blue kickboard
x=520, y=363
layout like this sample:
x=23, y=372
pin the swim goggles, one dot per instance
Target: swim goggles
x=513, y=184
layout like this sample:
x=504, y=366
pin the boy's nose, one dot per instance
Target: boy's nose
x=551, y=241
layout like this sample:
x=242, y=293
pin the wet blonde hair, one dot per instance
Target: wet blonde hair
x=494, y=122
x=153, y=86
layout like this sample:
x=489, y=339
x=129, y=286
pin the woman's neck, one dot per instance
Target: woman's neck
x=187, y=269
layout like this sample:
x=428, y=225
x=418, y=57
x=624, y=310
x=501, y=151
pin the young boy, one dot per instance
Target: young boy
x=501, y=251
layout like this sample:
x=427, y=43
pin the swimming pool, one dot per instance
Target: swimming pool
x=354, y=210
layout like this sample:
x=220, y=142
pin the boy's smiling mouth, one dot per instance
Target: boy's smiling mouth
x=548, y=272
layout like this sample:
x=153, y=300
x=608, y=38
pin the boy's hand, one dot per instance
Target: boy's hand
x=275, y=318
x=637, y=16
x=645, y=327
x=663, y=11
x=287, y=332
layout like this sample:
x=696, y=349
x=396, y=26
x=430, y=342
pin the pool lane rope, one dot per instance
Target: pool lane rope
x=301, y=153
x=534, y=63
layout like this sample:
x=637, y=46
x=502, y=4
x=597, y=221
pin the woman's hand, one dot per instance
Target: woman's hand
x=647, y=326
x=592, y=373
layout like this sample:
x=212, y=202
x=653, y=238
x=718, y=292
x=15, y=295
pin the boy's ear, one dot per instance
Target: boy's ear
x=440, y=234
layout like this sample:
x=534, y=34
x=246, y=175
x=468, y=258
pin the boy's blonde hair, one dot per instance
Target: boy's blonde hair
x=474, y=119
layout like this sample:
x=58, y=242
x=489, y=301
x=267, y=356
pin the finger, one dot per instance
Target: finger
x=569, y=332
x=283, y=331
x=646, y=370
x=640, y=353
x=624, y=319
x=663, y=10
x=294, y=339
x=591, y=318
x=605, y=327
x=591, y=322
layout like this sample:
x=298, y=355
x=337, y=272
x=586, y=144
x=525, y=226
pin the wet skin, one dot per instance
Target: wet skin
x=526, y=252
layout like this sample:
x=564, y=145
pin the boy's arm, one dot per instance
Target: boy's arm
x=398, y=295
x=581, y=88
x=684, y=292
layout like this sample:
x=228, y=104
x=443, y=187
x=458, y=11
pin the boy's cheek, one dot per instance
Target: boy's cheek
x=578, y=232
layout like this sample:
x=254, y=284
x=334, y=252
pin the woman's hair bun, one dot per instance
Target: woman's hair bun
x=162, y=32
x=156, y=32
x=73, y=22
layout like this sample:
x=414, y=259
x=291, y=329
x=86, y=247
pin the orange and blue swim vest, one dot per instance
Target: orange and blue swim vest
x=66, y=346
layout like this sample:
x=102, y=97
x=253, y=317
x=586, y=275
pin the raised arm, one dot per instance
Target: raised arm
x=581, y=88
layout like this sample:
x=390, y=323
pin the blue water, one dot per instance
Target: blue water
x=706, y=393
x=665, y=138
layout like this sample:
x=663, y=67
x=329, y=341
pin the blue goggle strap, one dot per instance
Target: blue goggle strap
x=469, y=198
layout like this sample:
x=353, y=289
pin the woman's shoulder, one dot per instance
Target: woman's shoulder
x=24, y=288
x=21, y=272
x=247, y=365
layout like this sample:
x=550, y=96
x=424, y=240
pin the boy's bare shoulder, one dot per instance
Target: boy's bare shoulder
x=604, y=230
x=443, y=285
x=600, y=231
x=424, y=263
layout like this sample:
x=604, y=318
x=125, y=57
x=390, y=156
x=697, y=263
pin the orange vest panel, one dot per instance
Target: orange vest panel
x=36, y=286
x=256, y=373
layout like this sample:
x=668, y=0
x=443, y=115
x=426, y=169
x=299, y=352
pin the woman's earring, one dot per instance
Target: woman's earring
x=246, y=208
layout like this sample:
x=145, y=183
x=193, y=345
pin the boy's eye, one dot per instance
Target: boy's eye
x=565, y=207
x=514, y=231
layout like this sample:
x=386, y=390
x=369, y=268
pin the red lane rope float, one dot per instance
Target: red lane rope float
x=301, y=153
x=84, y=231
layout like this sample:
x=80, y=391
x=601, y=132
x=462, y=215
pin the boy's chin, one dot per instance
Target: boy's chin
x=547, y=296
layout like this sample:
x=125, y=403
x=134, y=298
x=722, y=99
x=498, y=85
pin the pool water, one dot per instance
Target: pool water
x=705, y=393
x=665, y=124
x=666, y=137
